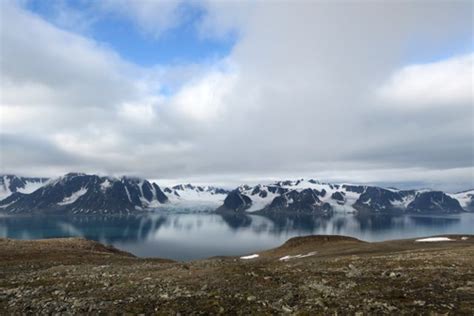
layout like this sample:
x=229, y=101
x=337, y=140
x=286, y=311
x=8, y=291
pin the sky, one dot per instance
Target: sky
x=232, y=92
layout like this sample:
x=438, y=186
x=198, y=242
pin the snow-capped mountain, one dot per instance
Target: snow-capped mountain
x=10, y=184
x=466, y=199
x=188, y=195
x=78, y=193
x=316, y=197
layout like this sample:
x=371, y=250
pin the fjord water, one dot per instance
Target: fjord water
x=189, y=236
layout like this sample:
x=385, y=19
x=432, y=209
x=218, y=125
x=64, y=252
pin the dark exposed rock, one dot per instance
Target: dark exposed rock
x=178, y=187
x=434, y=202
x=298, y=201
x=305, y=198
x=161, y=197
x=377, y=199
x=354, y=188
x=337, y=196
x=256, y=190
x=236, y=202
x=220, y=191
x=277, y=189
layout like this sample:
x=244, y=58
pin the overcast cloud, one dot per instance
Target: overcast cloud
x=310, y=89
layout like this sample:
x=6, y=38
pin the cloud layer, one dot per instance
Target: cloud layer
x=310, y=89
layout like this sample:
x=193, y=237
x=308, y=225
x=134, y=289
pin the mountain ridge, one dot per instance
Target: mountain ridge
x=311, y=196
x=80, y=193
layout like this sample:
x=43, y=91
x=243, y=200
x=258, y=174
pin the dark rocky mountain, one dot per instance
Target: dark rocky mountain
x=311, y=196
x=306, y=200
x=10, y=184
x=235, y=202
x=434, y=202
x=379, y=199
x=77, y=193
x=91, y=194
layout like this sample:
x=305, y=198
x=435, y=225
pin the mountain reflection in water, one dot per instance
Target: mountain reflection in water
x=188, y=236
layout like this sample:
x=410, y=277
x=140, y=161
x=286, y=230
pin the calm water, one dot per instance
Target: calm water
x=200, y=235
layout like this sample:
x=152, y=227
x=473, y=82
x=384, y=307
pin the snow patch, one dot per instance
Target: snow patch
x=73, y=197
x=5, y=188
x=258, y=202
x=403, y=203
x=128, y=194
x=105, y=185
x=31, y=186
x=434, y=239
x=309, y=254
x=249, y=257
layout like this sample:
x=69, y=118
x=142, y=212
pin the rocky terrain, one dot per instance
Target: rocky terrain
x=315, y=275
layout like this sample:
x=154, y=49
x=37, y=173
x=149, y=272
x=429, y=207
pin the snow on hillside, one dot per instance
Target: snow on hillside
x=73, y=197
x=465, y=198
x=263, y=195
x=346, y=197
x=10, y=184
x=260, y=194
x=5, y=189
x=350, y=197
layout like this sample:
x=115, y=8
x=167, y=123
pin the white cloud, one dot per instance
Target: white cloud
x=142, y=112
x=297, y=100
x=448, y=82
x=43, y=64
x=205, y=99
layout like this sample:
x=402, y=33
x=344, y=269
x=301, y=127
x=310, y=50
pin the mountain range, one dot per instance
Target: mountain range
x=317, y=197
x=78, y=193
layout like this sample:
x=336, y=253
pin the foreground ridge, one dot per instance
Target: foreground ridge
x=312, y=274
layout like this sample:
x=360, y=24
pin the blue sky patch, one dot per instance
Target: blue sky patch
x=178, y=45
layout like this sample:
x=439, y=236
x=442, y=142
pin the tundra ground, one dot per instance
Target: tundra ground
x=305, y=276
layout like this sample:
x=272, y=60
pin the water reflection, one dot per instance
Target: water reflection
x=189, y=236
